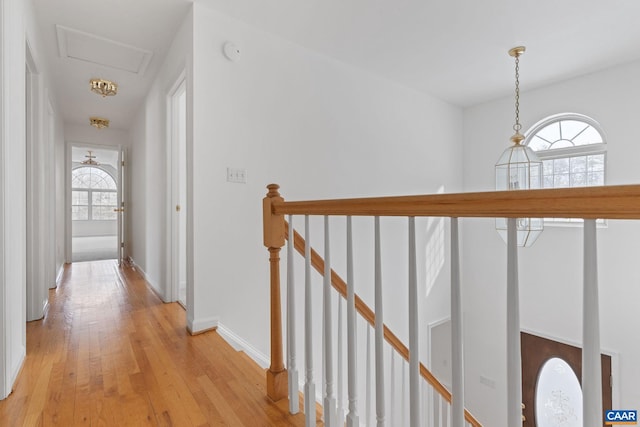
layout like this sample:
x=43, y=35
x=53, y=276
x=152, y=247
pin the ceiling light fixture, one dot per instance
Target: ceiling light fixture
x=90, y=160
x=103, y=87
x=99, y=122
x=519, y=168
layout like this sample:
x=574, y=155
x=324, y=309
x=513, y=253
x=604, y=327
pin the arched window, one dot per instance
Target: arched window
x=573, y=152
x=94, y=194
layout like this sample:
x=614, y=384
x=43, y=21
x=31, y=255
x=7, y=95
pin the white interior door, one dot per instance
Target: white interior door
x=178, y=165
x=122, y=164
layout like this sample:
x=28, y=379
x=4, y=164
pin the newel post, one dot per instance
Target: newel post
x=274, y=241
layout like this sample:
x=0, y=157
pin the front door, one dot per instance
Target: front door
x=551, y=378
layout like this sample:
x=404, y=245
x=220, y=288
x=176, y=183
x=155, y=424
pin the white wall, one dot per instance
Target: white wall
x=551, y=270
x=74, y=133
x=94, y=228
x=317, y=127
x=12, y=193
x=149, y=200
x=44, y=140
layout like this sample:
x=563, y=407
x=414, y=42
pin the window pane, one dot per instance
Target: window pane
x=596, y=178
x=538, y=144
x=103, y=198
x=92, y=177
x=551, y=132
x=578, y=180
x=572, y=128
x=560, y=166
x=561, y=143
x=79, y=213
x=561, y=180
x=589, y=136
x=596, y=163
x=564, y=134
x=558, y=395
x=578, y=164
x=104, y=213
x=80, y=198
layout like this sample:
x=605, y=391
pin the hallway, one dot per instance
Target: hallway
x=110, y=353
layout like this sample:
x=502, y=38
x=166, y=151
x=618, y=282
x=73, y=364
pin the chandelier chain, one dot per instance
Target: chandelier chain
x=517, y=126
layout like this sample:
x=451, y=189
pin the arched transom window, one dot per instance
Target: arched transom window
x=573, y=152
x=94, y=194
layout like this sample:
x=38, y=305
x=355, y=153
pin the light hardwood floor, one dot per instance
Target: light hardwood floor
x=110, y=353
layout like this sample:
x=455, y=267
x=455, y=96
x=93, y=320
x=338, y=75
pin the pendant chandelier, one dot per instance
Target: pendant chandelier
x=99, y=122
x=103, y=87
x=90, y=161
x=519, y=168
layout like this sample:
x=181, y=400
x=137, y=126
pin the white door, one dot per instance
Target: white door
x=178, y=149
x=122, y=164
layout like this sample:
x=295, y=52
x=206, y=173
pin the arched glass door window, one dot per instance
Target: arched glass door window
x=94, y=194
x=558, y=395
x=573, y=152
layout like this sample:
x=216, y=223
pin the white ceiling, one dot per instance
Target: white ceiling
x=454, y=49
x=135, y=26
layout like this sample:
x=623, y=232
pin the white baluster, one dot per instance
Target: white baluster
x=309, y=386
x=414, y=344
x=340, y=382
x=368, y=386
x=457, y=350
x=393, y=388
x=329, y=404
x=352, y=417
x=514, y=363
x=379, y=330
x=437, y=410
x=294, y=401
x=591, y=362
x=424, y=398
x=403, y=397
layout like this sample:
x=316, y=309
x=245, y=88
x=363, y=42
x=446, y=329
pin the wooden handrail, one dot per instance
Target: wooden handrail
x=361, y=307
x=606, y=202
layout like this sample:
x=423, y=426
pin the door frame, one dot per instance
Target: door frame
x=615, y=369
x=178, y=191
x=122, y=205
x=37, y=297
x=68, y=188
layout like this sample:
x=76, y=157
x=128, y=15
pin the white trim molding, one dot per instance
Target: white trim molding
x=240, y=344
x=198, y=326
x=152, y=285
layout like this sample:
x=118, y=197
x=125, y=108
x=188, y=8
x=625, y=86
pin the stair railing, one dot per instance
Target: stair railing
x=589, y=203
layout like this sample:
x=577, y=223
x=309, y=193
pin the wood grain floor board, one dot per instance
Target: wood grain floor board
x=110, y=353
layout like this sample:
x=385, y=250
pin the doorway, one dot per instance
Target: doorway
x=38, y=162
x=95, y=206
x=178, y=164
x=551, y=378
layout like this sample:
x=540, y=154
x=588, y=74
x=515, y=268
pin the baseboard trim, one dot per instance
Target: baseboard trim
x=240, y=344
x=16, y=371
x=150, y=283
x=59, y=275
x=200, y=326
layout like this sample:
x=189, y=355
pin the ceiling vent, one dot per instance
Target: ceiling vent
x=99, y=50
